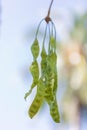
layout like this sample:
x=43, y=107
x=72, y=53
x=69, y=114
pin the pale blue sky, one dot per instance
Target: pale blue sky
x=16, y=16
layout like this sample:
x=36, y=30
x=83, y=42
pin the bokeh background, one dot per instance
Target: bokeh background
x=18, y=22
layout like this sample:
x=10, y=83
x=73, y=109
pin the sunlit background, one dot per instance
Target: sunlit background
x=18, y=22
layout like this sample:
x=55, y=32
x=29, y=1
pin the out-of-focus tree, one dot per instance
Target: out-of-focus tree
x=79, y=31
x=75, y=72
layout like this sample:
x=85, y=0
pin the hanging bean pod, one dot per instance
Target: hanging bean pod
x=54, y=111
x=46, y=79
x=43, y=61
x=38, y=100
x=53, y=43
x=34, y=69
x=35, y=49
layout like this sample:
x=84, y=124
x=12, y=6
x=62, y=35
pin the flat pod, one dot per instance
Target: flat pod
x=38, y=100
x=54, y=111
x=48, y=94
x=43, y=53
x=55, y=83
x=43, y=61
x=52, y=59
x=49, y=84
x=34, y=69
x=52, y=62
x=49, y=74
x=35, y=49
x=55, y=73
x=53, y=42
x=46, y=79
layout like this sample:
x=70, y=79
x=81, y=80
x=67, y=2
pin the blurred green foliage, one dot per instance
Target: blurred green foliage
x=74, y=70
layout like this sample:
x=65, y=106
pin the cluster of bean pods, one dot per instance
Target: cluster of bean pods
x=45, y=78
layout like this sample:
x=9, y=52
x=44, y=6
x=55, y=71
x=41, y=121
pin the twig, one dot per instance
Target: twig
x=50, y=8
x=47, y=19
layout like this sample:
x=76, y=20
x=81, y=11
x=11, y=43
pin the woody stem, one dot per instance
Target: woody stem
x=47, y=19
x=50, y=8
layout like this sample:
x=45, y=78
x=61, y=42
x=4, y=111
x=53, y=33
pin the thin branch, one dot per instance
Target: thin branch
x=47, y=19
x=50, y=8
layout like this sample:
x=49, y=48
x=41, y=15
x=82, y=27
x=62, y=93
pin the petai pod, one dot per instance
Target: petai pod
x=43, y=62
x=53, y=42
x=48, y=94
x=49, y=83
x=54, y=111
x=38, y=100
x=45, y=74
x=46, y=79
x=34, y=69
x=35, y=49
x=52, y=62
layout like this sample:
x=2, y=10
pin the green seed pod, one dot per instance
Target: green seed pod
x=48, y=95
x=38, y=100
x=55, y=74
x=46, y=80
x=34, y=69
x=43, y=61
x=52, y=60
x=53, y=42
x=43, y=53
x=54, y=111
x=35, y=49
x=49, y=84
x=55, y=84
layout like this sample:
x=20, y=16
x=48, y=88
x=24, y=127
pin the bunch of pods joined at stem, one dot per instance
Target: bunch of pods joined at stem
x=45, y=79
